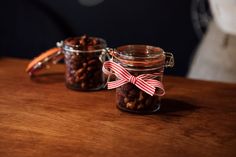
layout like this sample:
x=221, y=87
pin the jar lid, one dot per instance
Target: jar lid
x=139, y=56
x=42, y=61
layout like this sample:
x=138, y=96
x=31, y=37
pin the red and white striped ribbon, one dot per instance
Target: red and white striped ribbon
x=145, y=82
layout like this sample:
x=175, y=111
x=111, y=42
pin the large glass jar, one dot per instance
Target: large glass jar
x=83, y=59
x=143, y=61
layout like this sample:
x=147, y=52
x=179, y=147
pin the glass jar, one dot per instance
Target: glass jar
x=140, y=60
x=83, y=59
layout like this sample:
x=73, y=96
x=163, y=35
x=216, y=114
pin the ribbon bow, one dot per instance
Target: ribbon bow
x=145, y=82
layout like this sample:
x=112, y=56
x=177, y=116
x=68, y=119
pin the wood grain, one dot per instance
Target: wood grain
x=41, y=117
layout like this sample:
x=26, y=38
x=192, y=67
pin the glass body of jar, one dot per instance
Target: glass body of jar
x=84, y=62
x=139, y=60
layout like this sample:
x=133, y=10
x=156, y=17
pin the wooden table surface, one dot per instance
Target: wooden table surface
x=41, y=117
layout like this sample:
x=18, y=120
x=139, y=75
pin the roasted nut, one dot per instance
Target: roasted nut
x=90, y=48
x=126, y=100
x=130, y=105
x=140, y=96
x=92, y=61
x=90, y=68
x=77, y=80
x=140, y=106
x=84, y=65
x=79, y=72
x=83, y=76
x=135, y=99
x=83, y=85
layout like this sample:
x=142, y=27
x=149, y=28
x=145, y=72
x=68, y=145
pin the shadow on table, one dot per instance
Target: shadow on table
x=176, y=107
x=49, y=78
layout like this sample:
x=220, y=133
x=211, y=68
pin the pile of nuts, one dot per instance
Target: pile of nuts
x=84, y=69
x=131, y=98
x=84, y=43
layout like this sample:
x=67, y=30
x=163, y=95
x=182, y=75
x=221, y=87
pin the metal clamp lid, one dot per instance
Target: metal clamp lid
x=53, y=55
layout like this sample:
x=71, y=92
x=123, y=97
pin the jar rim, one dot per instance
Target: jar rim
x=139, y=55
x=137, y=47
x=75, y=48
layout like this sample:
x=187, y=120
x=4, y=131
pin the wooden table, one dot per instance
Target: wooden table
x=41, y=117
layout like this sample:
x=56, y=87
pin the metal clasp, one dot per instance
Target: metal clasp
x=104, y=56
x=169, y=61
x=59, y=44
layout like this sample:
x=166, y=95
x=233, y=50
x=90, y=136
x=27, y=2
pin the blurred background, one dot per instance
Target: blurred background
x=29, y=27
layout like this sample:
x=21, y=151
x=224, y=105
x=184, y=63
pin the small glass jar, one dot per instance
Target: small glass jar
x=139, y=60
x=83, y=59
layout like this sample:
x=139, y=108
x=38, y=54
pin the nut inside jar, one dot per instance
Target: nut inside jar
x=83, y=58
x=130, y=98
